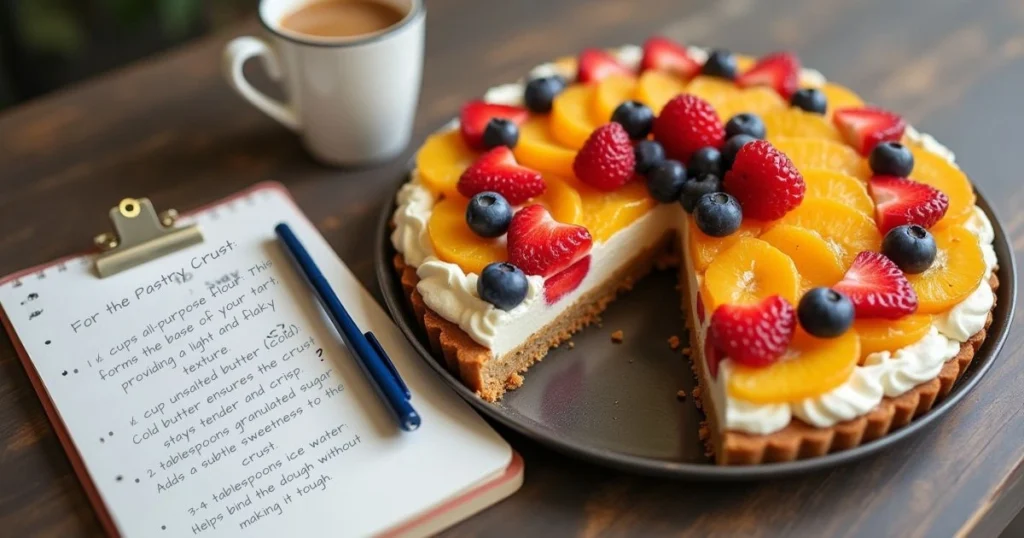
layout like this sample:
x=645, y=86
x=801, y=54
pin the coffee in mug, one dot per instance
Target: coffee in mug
x=342, y=18
x=350, y=70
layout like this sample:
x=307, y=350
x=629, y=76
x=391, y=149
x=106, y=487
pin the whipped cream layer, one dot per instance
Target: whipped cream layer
x=451, y=293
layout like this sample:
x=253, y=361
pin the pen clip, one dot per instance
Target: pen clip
x=375, y=344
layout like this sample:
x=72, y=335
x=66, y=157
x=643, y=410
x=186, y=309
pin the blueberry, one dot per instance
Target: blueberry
x=488, y=214
x=720, y=63
x=503, y=285
x=746, y=123
x=540, y=92
x=718, y=214
x=695, y=188
x=810, y=99
x=910, y=247
x=648, y=154
x=665, y=181
x=501, y=132
x=731, y=147
x=825, y=313
x=706, y=160
x=635, y=117
x=891, y=159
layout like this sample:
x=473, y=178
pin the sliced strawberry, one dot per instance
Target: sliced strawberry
x=780, y=71
x=877, y=288
x=753, y=335
x=498, y=171
x=476, y=114
x=664, y=54
x=596, y=64
x=900, y=201
x=712, y=357
x=540, y=245
x=561, y=283
x=864, y=127
x=606, y=160
x=700, y=310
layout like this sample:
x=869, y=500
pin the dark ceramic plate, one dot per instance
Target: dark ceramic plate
x=616, y=405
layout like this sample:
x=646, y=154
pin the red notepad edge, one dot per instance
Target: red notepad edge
x=504, y=484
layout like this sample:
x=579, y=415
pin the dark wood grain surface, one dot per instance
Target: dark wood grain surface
x=171, y=129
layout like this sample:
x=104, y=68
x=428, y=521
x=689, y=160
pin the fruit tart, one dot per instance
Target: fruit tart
x=836, y=274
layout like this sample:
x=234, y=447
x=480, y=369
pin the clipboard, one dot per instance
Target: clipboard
x=141, y=236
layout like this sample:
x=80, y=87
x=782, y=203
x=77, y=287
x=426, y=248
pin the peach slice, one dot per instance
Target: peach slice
x=839, y=187
x=760, y=100
x=839, y=97
x=442, y=159
x=705, y=248
x=655, y=88
x=572, y=118
x=605, y=213
x=809, y=153
x=454, y=242
x=610, y=93
x=932, y=169
x=889, y=334
x=817, y=263
x=811, y=366
x=562, y=200
x=957, y=271
x=748, y=271
x=846, y=231
x=538, y=149
x=794, y=122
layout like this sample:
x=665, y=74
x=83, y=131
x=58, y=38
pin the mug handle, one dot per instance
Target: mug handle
x=236, y=53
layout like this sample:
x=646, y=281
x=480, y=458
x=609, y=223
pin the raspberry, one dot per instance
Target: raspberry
x=764, y=181
x=606, y=160
x=687, y=124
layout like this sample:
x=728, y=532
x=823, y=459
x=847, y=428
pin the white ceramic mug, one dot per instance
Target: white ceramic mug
x=351, y=99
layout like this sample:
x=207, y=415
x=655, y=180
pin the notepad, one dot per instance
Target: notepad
x=204, y=393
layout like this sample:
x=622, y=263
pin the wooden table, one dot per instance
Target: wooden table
x=170, y=129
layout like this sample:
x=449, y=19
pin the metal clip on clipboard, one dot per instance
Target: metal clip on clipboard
x=141, y=235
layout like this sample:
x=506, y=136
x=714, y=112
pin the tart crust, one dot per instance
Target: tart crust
x=490, y=379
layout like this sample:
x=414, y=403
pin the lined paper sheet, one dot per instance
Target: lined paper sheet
x=208, y=395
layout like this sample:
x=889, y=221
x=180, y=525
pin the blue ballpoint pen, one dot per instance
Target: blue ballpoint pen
x=367, y=350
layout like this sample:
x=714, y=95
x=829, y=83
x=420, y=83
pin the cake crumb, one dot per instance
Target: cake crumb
x=704, y=432
x=673, y=342
x=696, y=398
x=686, y=351
x=681, y=394
x=617, y=336
x=514, y=381
x=571, y=344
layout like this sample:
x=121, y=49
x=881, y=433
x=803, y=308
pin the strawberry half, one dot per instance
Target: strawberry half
x=900, y=201
x=864, y=127
x=753, y=335
x=498, y=171
x=606, y=160
x=561, y=283
x=877, y=288
x=540, y=245
x=664, y=54
x=595, y=65
x=476, y=114
x=780, y=71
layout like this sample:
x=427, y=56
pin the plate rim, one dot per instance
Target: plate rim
x=390, y=288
